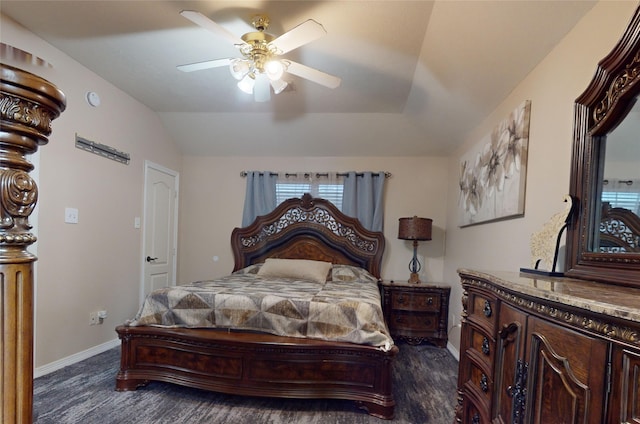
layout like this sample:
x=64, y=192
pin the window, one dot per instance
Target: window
x=326, y=189
x=363, y=193
x=622, y=194
x=626, y=200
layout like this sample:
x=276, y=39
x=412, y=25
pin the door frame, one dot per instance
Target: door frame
x=147, y=166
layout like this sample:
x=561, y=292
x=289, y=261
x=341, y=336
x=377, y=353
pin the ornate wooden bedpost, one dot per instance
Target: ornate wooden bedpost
x=28, y=104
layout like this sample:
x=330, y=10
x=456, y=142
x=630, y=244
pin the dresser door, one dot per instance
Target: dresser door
x=567, y=375
x=625, y=402
x=510, y=377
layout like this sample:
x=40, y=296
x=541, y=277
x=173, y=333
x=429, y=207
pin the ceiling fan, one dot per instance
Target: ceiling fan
x=261, y=68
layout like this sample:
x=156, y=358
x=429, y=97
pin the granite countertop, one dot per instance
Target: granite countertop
x=618, y=301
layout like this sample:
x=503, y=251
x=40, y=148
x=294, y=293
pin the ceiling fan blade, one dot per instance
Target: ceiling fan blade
x=314, y=75
x=304, y=33
x=203, y=65
x=206, y=23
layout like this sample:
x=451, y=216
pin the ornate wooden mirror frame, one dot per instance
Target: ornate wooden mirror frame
x=603, y=105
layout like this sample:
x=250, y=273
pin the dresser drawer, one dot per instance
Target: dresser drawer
x=412, y=321
x=410, y=301
x=475, y=414
x=480, y=382
x=481, y=345
x=483, y=311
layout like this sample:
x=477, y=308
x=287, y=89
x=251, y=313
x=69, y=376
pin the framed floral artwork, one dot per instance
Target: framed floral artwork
x=493, y=173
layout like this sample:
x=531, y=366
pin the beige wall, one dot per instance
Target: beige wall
x=212, y=197
x=552, y=88
x=96, y=263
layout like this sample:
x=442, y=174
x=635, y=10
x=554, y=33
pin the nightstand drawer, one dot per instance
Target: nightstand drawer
x=413, y=321
x=408, y=301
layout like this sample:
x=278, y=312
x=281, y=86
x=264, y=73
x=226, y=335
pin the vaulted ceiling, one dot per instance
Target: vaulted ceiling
x=416, y=75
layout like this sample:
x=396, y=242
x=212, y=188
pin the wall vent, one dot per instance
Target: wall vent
x=102, y=150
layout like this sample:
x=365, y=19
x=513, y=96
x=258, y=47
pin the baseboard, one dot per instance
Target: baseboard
x=451, y=348
x=76, y=357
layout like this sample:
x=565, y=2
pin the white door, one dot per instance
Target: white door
x=160, y=227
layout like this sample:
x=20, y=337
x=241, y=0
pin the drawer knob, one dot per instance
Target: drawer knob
x=430, y=301
x=484, y=383
x=487, y=309
x=485, y=346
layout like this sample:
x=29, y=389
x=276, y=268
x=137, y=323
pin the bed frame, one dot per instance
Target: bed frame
x=619, y=230
x=253, y=364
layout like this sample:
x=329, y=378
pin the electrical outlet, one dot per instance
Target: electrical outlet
x=71, y=215
x=97, y=317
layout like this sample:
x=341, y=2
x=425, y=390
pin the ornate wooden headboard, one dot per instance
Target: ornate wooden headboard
x=619, y=229
x=308, y=228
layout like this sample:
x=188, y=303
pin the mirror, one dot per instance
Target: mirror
x=619, y=230
x=602, y=236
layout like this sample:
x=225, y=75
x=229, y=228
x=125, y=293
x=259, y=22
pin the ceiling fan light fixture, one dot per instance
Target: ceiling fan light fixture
x=261, y=69
x=274, y=69
x=261, y=90
x=239, y=68
x=247, y=83
x=278, y=86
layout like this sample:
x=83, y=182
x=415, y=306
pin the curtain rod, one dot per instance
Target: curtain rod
x=627, y=182
x=317, y=174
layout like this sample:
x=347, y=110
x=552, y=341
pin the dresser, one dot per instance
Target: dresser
x=416, y=312
x=547, y=350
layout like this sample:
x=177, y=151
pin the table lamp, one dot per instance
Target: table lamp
x=414, y=229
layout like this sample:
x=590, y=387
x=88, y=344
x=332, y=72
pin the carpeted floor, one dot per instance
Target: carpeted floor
x=425, y=380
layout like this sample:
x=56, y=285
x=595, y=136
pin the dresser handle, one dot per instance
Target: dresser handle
x=487, y=309
x=430, y=301
x=484, y=383
x=401, y=300
x=485, y=346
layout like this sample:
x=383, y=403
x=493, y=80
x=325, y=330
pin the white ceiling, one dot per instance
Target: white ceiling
x=416, y=75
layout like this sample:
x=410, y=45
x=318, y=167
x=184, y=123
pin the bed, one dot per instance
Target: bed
x=619, y=230
x=254, y=363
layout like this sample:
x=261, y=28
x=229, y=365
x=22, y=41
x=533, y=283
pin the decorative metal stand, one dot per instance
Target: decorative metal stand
x=545, y=244
x=28, y=104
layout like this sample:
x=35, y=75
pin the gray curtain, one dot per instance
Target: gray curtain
x=362, y=198
x=260, y=196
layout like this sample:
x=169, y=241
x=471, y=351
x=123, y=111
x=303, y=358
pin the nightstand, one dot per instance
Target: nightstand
x=416, y=312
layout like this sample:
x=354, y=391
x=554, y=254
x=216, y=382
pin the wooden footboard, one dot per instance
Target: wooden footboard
x=257, y=365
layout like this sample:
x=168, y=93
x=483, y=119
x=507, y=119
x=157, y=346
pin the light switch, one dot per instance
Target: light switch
x=71, y=215
x=136, y=222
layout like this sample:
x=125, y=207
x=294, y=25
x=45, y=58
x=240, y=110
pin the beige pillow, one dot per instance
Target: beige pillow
x=303, y=269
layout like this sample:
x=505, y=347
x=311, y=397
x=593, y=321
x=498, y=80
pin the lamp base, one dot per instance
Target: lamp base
x=414, y=278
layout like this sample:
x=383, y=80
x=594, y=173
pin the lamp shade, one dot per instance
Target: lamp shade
x=414, y=228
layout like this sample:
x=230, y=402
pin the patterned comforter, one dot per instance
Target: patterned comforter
x=346, y=307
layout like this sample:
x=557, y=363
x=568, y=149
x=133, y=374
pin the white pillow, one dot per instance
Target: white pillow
x=304, y=269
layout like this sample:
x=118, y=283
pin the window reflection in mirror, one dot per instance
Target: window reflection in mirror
x=619, y=229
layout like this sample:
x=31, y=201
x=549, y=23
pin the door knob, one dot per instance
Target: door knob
x=150, y=259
